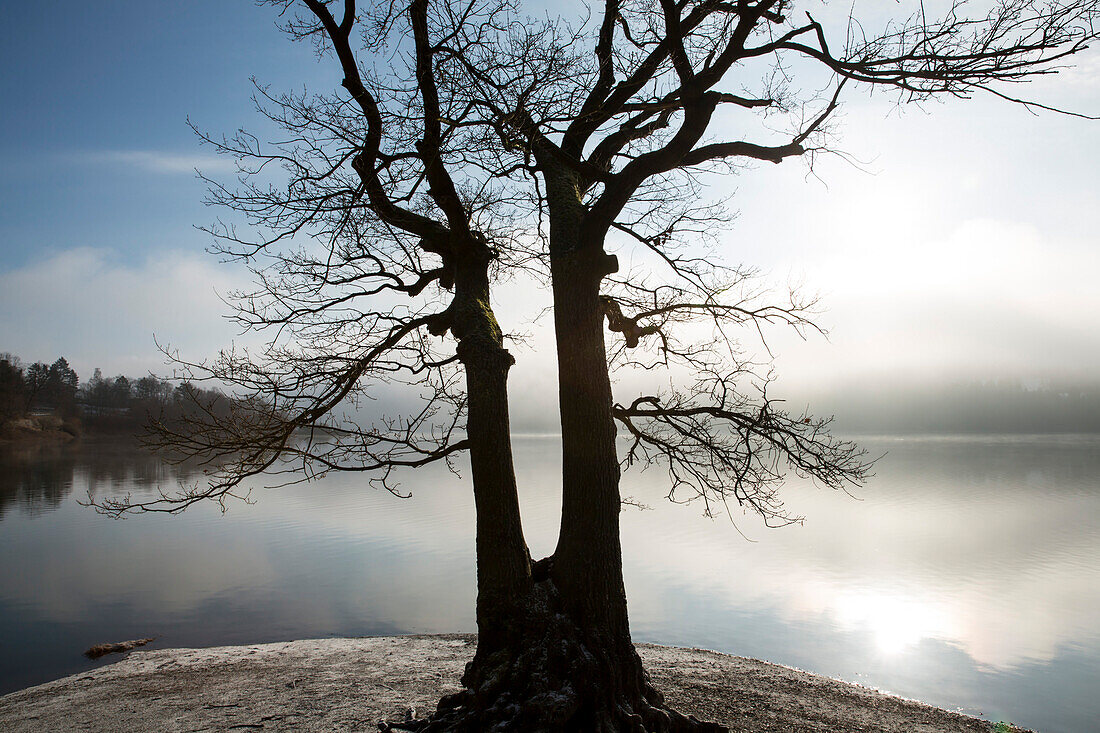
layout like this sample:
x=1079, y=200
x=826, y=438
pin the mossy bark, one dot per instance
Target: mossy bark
x=503, y=561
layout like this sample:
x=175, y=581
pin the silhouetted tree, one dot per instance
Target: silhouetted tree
x=120, y=392
x=97, y=393
x=151, y=390
x=13, y=390
x=470, y=144
x=61, y=386
x=35, y=378
x=94, y=392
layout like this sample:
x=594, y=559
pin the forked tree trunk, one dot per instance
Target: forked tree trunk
x=554, y=649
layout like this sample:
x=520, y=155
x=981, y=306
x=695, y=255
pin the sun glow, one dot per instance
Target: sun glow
x=895, y=622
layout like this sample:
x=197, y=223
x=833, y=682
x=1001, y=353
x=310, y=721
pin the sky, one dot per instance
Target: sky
x=957, y=241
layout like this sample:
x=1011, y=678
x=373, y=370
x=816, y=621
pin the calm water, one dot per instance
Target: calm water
x=967, y=573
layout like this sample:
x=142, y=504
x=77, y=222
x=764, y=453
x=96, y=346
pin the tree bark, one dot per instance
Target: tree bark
x=587, y=567
x=587, y=563
x=503, y=560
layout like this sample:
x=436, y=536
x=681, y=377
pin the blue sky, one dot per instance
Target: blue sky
x=965, y=243
x=89, y=87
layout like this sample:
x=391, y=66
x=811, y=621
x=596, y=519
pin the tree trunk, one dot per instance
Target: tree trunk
x=554, y=650
x=588, y=564
x=588, y=559
x=503, y=560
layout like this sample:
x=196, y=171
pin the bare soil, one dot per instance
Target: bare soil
x=351, y=684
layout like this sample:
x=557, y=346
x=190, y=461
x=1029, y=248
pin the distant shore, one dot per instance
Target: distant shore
x=39, y=429
x=351, y=684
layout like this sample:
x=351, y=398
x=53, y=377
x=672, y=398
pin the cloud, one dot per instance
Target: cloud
x=988, y=298
x=154, y=161
x=97, y=311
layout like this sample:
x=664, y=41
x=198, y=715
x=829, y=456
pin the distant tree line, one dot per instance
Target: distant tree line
x=120, y=402
x=100, y=395
x=1002, y=405
x=40, y=386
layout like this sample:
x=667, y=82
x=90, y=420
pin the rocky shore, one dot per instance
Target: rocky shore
x=351, y=684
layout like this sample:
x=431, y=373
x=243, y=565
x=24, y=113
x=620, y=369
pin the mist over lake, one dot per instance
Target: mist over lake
x=965, y=574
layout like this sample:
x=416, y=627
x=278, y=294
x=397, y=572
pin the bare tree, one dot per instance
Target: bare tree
x=470, y=143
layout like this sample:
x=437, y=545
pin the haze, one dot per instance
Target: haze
x=959, y=248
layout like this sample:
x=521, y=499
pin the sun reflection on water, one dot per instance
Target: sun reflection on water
x=895, y=622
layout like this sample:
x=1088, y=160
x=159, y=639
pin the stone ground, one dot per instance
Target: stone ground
x=351, y=684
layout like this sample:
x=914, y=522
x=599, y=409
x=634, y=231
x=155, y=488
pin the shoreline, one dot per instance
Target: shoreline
x=352, y=684
x=31, y=430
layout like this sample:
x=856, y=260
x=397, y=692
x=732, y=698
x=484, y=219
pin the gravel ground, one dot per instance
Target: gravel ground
x=351, y=684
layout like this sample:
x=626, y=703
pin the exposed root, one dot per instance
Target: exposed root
x=549, y=675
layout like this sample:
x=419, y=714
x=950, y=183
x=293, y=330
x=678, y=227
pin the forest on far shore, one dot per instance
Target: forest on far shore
x=54, y=393
x=31, y=392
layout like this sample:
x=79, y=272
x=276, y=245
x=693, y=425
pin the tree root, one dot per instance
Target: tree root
x=549, y=675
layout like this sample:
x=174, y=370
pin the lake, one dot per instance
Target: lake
x=965, y=574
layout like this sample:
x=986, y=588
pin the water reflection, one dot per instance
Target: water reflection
x=967, y=574
x=1005, y=570
x=37, y=478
